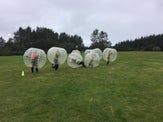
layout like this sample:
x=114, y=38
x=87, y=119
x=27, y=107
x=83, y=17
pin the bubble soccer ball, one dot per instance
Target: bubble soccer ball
x=74, y=59
x=61, y=52
x=41, y=57
x=92, y=59
x=96, y=50
x=110, y=53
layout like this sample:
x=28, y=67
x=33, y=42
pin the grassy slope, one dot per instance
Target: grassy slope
x=130, y=89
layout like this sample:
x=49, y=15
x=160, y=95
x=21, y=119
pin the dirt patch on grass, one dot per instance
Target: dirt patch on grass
x=162, y=69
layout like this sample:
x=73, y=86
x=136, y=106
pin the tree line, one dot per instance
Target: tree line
x=41, y=37
x=45, y=38
x=147, y=43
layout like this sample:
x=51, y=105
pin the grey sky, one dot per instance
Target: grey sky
x=121, y=19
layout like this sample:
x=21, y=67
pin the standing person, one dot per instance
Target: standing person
x=108, y=58
x=34, y=62
x=55, y=65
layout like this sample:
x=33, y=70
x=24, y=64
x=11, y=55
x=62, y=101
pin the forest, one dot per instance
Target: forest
x=147, y=43
x=44, y=38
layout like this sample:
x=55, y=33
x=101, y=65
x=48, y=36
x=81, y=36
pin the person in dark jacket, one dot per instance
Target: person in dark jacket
x=55, y=65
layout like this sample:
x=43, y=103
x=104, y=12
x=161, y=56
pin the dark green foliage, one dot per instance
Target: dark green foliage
x=148, y=43
x=69, y=42
x=2, y=43
x=5, y=48
x=41, y=37
x=44, y=38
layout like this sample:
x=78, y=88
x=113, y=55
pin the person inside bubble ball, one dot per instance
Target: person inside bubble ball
x=78, y=62
x=108, y=57
x=34, y=61
x=55, y=65
x=91, y=61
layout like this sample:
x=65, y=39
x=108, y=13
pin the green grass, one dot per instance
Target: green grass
x=128, y=90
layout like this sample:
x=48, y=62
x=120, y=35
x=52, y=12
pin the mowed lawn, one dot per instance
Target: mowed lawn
x=128, y=90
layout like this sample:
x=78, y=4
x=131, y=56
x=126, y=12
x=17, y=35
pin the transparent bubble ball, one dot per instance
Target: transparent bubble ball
x=92, y=59
x=74, y=59
x=110, y=52
x=41, y=57
x=61, y=52
x=96, y=50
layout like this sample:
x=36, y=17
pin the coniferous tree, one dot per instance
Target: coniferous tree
x=148, y=43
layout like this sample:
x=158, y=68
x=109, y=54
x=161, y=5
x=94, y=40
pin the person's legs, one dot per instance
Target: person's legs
x=36, y=69
x=35, y=63
x=52, y=66
x=32, y=69
x=108, y=62
x=56, y=67
x=82, y=63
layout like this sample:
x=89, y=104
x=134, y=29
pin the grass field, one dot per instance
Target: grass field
x=128, y=90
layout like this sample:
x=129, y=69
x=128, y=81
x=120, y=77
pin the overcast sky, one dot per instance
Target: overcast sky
x=121, y=19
